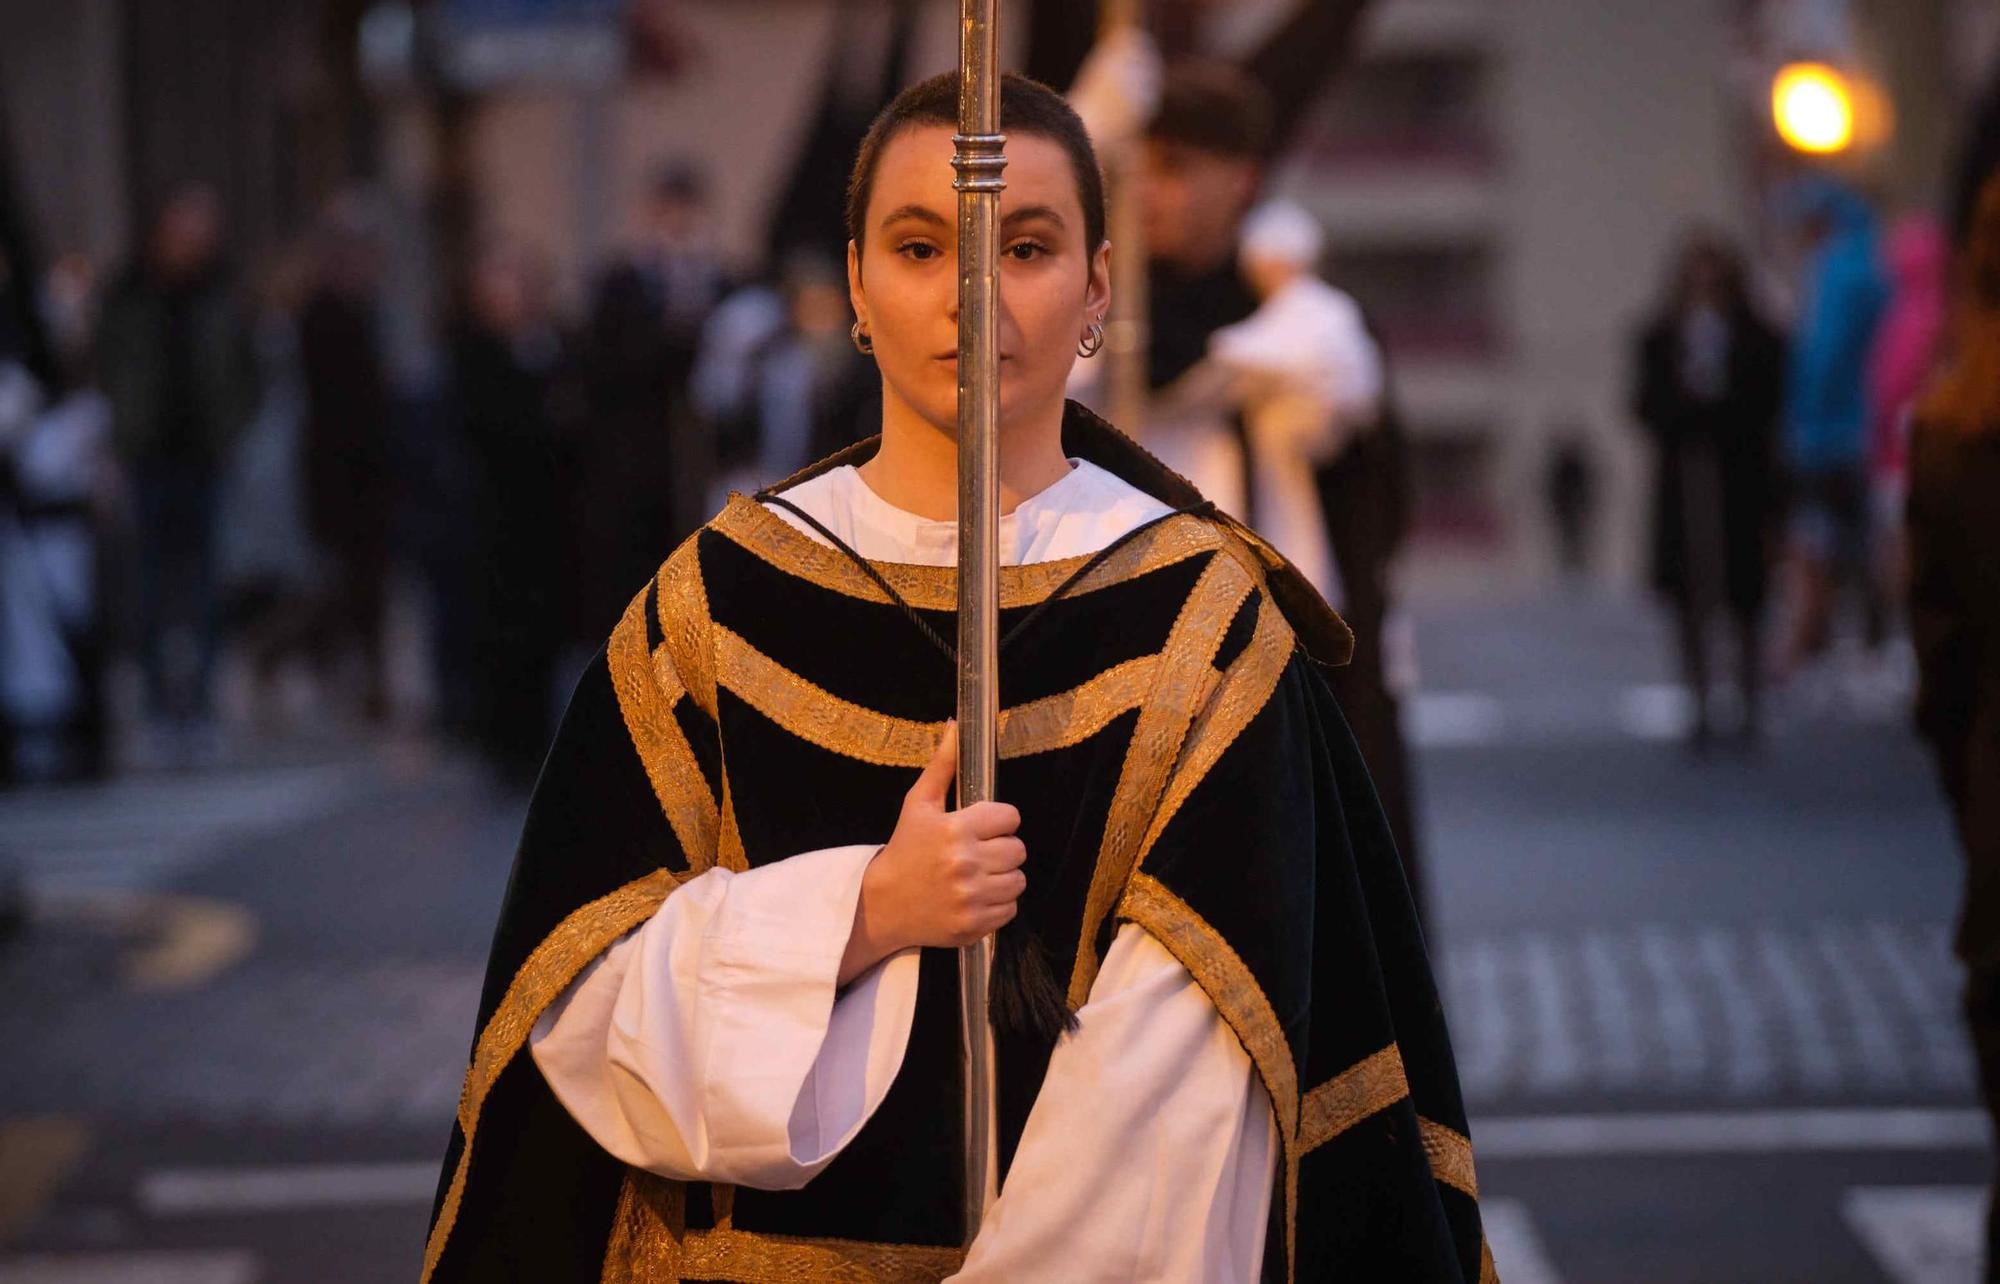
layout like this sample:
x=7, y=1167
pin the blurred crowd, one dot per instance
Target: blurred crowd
x=1782, y=449
x=226, y=500
x=205, y=461
x=1785, y=451
x=1859, y=456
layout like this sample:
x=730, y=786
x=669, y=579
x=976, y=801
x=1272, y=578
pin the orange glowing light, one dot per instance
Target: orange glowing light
x=1813, y=106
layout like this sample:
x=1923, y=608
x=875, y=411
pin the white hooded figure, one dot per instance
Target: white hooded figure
x=1305, y=375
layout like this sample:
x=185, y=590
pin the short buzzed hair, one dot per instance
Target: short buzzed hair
x=1026, y=107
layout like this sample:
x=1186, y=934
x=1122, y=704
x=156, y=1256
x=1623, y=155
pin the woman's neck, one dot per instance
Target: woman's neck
x=916, y=468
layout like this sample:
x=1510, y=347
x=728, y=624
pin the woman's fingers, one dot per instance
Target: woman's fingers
x=990, y=819
x=933, y=786
x=995, y=855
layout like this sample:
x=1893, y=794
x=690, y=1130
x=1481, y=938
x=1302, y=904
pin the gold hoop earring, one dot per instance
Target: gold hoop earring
x=1093, y=340
x=862, y=341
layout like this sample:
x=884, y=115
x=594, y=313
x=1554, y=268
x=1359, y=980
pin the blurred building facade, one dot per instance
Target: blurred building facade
x=1501, y=178
x=112, y=103
x=1503, y=182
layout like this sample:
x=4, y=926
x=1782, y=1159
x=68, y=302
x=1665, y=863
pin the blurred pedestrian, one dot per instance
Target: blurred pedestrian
x=350, y=485
x=505, y=367
x=54, y=446
x=1365, y=499
x=269, y=574
x=637, y=455
x=1207, y=131
x=1204, y=150
x=176, y=361
x=1954, y=534
x=781, y=380
x=1303, y=374
x=1826, y=412
x=1709, y=386
x=1570, y=487
x=1917, y=256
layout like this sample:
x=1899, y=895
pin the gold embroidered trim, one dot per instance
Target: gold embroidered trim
x=1229, y=984
x=649, y=1244
x=1371, y=1085
x=744, y=1257
x=646, y=692
x=777, y=541
x=549, y=969
x=1241, y=695
x=685, y=624
x=818, y=716
x=1184, y=673
x=729, y=847
x=1074, y=716
x=1450, y=1154
x=1488, y=1273
x=646, y=1231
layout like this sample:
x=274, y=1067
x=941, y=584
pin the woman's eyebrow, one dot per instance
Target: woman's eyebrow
x=1031, y=213
x=927, y=215
x=920, y=213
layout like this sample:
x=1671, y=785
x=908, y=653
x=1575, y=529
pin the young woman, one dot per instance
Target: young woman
x=719, y=1036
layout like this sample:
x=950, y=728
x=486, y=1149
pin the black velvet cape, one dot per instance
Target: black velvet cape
x=1179, y=764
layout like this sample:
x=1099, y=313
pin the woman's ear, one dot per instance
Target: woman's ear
x=856, y=297
x=1097, y=290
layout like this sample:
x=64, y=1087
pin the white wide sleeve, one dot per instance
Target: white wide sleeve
x=1356, y=361
x=1150, y=1153
x=709, y=1043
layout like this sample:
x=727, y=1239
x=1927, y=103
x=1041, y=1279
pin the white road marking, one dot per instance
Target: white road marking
x=199, y=1192
x=1437, y=719
x=1656, y=711
x=1762, y=1132
x=136, y=833
x=1518, y=1255
x=234, y=1266
x=1920, y=1234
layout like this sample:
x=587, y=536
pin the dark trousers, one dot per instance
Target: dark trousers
x=176, y=503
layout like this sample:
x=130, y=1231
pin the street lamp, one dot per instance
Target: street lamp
x=1814, y=108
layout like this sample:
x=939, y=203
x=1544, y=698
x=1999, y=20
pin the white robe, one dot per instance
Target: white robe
x=1308, y=378
x=711, y=1043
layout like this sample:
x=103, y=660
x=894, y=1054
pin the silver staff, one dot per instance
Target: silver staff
x=979, y=160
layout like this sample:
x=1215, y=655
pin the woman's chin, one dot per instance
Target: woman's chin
x=938, y=407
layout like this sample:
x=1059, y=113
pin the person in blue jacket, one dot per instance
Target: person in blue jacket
x=1842, y=296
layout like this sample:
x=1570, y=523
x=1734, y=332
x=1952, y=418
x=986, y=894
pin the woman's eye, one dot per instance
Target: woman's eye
x=919, y=251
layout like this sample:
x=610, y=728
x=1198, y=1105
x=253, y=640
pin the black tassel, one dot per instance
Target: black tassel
x=1023, y=996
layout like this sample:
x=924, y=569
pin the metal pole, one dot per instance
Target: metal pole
x=979, y=160
x=1125, y=331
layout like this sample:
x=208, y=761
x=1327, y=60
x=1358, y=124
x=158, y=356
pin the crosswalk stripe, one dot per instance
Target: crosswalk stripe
x=202, y=1192
x=1920, y=1234
x=1828, y=1009
x=1518, y=1255
x=191, y=1267
x=126, y=835
x=1757, y=1132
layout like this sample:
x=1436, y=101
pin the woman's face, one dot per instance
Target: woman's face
x=904, y=283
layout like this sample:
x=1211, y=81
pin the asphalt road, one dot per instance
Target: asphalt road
x=1703, y=1008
